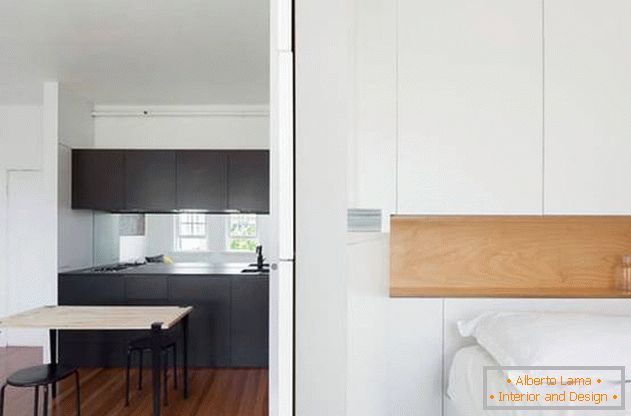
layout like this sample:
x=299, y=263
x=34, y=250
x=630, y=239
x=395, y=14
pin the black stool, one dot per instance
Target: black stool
x=167, y=342
x=41, y=375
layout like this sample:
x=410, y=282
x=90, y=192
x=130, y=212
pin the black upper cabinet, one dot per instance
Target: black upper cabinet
x=201, y=180
x=248, y=181
x=170, y=180
x=98, y=179
x=150, y=180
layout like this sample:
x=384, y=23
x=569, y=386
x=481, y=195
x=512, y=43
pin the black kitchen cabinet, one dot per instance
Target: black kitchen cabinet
x=146, y=290
x=228, y=325
x=201, y=180
x=150, y=180
x=170, y=180
x=210, y=321
x=248, y=181
x=93, y=348
x=98, y=179
x=250, y=322
x=96, y=289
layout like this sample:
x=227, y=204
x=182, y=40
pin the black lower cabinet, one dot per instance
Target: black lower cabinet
x=210, y=321
x=227, y=328
x=147, y=290
x=92, y=348
x=107, y=290
x=95, y=348
x=250, y=323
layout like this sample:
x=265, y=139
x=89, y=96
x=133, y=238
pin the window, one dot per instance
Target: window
x=242, y=233
x=191, y=232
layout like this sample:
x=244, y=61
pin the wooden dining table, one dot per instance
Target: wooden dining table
x=154, y=319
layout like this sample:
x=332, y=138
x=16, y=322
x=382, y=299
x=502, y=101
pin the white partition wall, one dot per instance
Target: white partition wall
x=75, y=235
x=469, y=106
x=21, y=137
x=281, y=360
x=28, y=211
x=588, y=106
x=372, y=148
x=323, y=125
x=500, y=107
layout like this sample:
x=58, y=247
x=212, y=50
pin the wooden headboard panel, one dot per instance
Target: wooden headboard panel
x=507, y=256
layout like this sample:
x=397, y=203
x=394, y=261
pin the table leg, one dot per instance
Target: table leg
x=53, y=355
x=156, y=329
x=185, y=337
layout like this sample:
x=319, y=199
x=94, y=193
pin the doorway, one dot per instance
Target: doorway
x=162, y=77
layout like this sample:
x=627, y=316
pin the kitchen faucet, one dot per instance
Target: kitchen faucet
x=259, y=257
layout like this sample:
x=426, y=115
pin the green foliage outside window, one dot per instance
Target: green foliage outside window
x=243, y=245
x=242, y=233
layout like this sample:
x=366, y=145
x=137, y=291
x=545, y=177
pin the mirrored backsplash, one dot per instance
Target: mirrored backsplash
x=186, y=237
x=106, y=239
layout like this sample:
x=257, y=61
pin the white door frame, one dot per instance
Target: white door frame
x=281, y=359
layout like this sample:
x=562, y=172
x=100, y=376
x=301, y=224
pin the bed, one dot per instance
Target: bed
x=506, y=338
x=465, y=388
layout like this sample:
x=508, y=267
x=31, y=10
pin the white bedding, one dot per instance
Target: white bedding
x=553, y=338
x=465, y=389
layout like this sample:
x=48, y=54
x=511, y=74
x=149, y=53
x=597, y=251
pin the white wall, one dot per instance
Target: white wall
x=588, y=106
x=21, y=135
x=367, y=325
x=373, y=149
x=76, y=130
x=182, y=127
x=28, y=211
x=323, y=125
x=471, y=121
x=31, y=275
x=86, y=238
x=470, y=105
x=395, y=346
x=448, y=114
x=20, y=162
x=458, y=113
x=282, y=211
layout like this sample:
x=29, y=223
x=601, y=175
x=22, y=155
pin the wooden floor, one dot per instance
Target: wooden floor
x=222, y=392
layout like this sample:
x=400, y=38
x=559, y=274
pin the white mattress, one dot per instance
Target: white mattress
x=465, y=389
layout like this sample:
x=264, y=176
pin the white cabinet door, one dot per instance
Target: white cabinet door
x=587, y=106
x=470, y=106
x=372, y=153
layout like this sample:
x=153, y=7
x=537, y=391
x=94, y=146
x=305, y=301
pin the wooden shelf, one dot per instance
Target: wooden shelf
x=468, y=292
x=508, y=256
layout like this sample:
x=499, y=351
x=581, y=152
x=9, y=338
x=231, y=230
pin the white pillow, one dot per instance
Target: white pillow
x=552, y=339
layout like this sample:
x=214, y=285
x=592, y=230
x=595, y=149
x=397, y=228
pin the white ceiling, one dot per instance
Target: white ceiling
x=136, y=51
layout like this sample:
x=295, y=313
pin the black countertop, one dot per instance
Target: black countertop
x=222, y=269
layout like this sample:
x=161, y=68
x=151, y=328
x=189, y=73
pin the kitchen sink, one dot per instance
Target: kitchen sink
x=255, y=270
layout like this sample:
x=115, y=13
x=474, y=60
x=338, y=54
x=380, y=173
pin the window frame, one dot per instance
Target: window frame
x=230, y=237
x=179, y=236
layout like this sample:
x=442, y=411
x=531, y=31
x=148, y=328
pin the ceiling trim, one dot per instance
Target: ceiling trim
x=181, y=111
